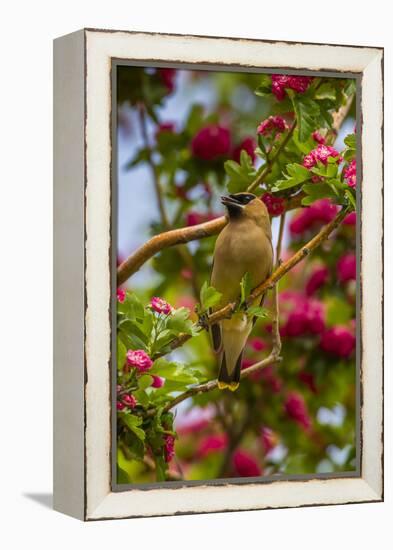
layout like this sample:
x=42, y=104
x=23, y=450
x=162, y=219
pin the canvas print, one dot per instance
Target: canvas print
x=236, y=303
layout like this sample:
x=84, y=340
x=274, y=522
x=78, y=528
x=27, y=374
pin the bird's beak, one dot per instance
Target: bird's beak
x=232, y=202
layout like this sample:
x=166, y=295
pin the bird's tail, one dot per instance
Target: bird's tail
x=229, y=379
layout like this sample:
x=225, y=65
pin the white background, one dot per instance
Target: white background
x=28, y=28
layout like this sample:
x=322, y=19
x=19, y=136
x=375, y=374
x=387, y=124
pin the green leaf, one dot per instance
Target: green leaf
x=173, y=371
x=258, y=311
x=325, y=91
x=245, y=287
x=298, y=172
x=179, y=321
x=209, y=296
x=142, y=155
x=122, y=476
x=161, y=467
x=145, y=381
x=195, y=119
x=351, y=198
x=240, y=175
x=317, y=191
x=121, y=354
x=142, y=398
x=132, y=422
x=350, y=141
x=265, y=86
x=307, y=115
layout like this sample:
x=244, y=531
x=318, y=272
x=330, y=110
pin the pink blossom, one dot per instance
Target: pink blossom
x=297, y=83
x=350, y=219
x=318, y=278
x=268, y=375
x=257, y=344
x=269, y=439
x=339, y=341
x=272, y=124
x=129, y=400
x=160, y=306
x=195, y=218
x=349, y=173
x=158, y=382
x=320, y=212
x=121, y=295
x=274, y=205
x=320, y=154
x=248, y=145
x=318, y=137
x=211, y=142
x=165, y=127
x=245, y=465
x=139, y=359
x=296, y=409
x=120, y=406
x=167, y=77
x=212, y=444
x=169, y=447
x=305, y=317
x=308, y=379
x=346, y=268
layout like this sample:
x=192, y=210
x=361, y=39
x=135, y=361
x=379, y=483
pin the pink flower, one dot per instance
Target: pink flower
x=272, y=124
x=320, y=154
x=274, y=205
x=245, y=465
x=339, y=341
x=120, y=406
x=346, y=268
x=317, y=279
x=318, y=137
x=158, y=382
x=349, y=173
x=121, y=295
x=160, y=306
x=195, y=218
x=297, y=83
x=165, y=127
x=350, y=219
x=211, y=142
x=139, y=359
x=167, y=77
x=296, y=409
x=212, y=444
x=305, y=317
x=129, y=400
x=320, y=212
x=248, y=145
x=308, y=379
x=269, y=439
x=169, y=447
x=269, y=376
x=257, y=344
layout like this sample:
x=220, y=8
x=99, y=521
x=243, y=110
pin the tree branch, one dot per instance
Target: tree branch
x=180, y=236
x=282, y=269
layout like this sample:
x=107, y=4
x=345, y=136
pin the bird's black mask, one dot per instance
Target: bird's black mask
x=236, y=202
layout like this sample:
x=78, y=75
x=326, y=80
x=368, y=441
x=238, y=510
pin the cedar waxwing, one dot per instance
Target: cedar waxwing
x=244, y=245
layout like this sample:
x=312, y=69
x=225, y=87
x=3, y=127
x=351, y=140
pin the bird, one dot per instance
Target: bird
x=243, y=246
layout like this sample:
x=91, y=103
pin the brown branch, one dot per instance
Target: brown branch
x=180, y=236
x=165, y=240
x=283, y=268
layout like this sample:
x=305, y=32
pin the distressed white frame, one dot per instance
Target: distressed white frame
x=94, y=498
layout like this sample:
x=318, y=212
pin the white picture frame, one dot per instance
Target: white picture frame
x=83, y=281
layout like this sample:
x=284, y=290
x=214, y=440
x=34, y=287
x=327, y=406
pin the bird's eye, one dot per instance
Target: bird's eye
x=245, y=198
